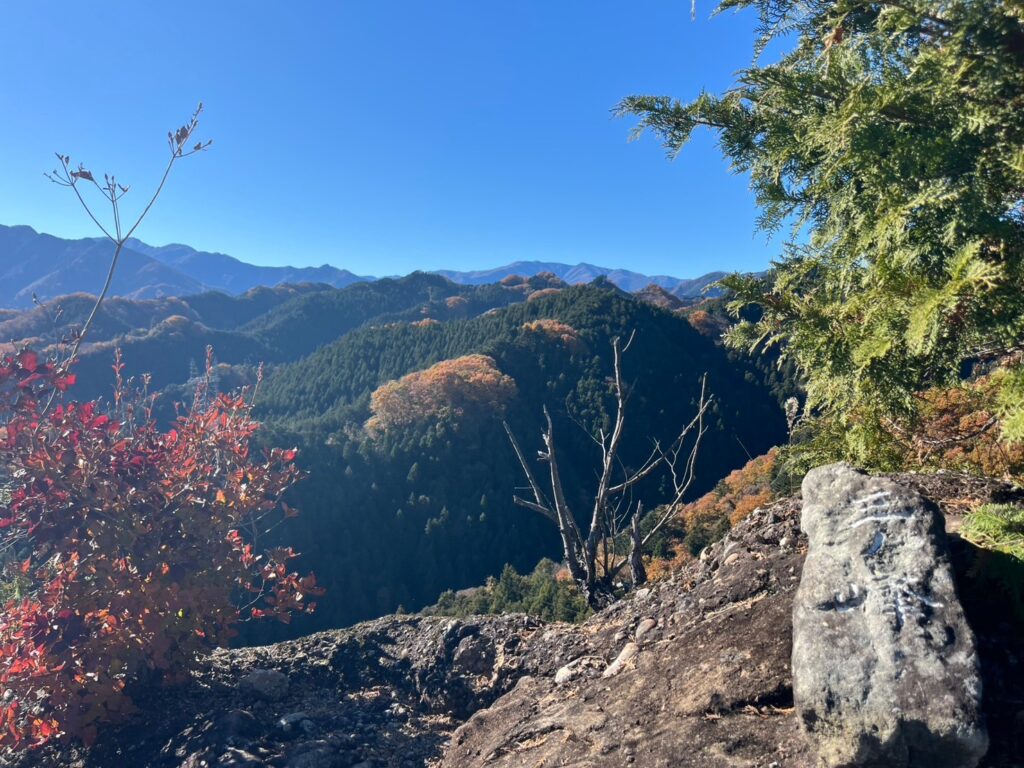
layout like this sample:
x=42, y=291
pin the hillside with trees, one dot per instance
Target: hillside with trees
x=166, y=338
x=395, y=391
x=782, y=526
x=427, y=504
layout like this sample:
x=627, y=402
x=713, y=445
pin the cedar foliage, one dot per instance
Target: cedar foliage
x=891, y=135
x=997, y=570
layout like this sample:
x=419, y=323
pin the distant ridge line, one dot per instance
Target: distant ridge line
x=35, y=264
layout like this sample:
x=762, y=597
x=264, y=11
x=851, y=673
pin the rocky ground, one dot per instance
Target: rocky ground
x=694, y=671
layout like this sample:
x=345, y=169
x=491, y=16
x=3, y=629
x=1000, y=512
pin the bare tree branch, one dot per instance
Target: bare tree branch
x=541, y=503
x=592, y=561
x=681, y=483
x=64, y=175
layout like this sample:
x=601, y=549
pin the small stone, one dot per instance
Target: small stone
x=784, y=542
x=565, y=674
x=319, y=757
x=732, y=558
x=237, y=727
x=202, y=759
x=239, y=758
x=644, y=627
x=625, y=655
x=296, y=724
x=474, y=655
x=268, y=684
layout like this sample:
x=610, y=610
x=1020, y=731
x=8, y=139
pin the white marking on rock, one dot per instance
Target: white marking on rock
x=902, y=516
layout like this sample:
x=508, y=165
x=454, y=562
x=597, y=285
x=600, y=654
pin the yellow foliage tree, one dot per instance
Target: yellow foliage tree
x=557, y=331
x=705, y=520
x=451, y=388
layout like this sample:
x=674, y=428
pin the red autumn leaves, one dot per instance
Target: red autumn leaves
x=126, y=548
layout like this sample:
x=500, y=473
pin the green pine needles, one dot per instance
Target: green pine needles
x=998, y=527
x=890, y=137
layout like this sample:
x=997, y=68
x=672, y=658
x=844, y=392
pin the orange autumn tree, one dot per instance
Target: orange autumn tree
x=543, y=293
x=960, y=427
x=557, y=331
x=701, y=522
x=450, y=388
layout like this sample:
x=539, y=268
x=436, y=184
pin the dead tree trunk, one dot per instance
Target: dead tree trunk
x=613, y=512
x=636, y=552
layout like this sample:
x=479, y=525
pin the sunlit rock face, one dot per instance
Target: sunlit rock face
x=884, y=665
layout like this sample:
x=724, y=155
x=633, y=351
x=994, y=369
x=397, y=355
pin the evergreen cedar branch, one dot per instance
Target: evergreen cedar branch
x=891, y=134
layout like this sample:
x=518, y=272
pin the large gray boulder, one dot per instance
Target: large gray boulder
x=884, y=665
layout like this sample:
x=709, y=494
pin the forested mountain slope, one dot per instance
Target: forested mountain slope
x=394, y=514
x=392, y=517
x=167, y=337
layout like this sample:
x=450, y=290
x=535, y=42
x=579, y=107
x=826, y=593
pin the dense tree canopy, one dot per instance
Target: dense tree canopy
x=397, y=516
x=891, y=136
x=469, y=384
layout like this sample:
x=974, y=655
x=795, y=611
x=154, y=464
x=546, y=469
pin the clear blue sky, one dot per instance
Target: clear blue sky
x=383, y=136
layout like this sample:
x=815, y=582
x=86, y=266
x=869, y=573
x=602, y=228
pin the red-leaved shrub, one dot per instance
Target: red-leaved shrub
x=132, y=549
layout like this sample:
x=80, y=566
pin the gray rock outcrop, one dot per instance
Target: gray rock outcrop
x=884, y=665
x=708, y=686
x=267, y=684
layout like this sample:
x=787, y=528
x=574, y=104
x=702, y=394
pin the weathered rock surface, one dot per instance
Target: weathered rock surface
x=885, y=671
x=267, y=684
x=708, y=684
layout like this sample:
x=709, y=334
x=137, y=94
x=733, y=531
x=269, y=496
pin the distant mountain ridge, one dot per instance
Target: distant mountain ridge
x=587, y=273
x=35, y=264
x=221, y=272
